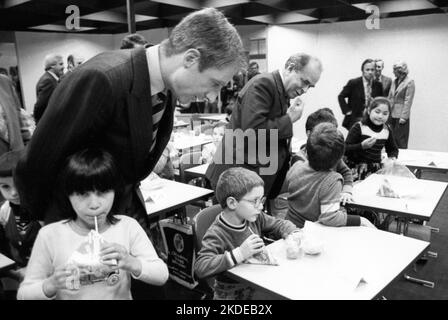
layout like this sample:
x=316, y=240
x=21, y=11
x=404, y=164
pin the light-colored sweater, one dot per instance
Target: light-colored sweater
x=56, y=243
x=315, y=196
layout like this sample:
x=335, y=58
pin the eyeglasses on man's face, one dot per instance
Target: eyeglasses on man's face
x=257, y=202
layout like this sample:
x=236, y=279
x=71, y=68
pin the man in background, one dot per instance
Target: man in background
x=379, y=77
x=359, y=92
x=74, y=61
x=54, y=69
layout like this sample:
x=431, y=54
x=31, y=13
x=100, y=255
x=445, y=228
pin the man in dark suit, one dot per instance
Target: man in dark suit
x=262, y=108
x=359, y=92
x=54, y=69
x=115, y=101
x=385, y=81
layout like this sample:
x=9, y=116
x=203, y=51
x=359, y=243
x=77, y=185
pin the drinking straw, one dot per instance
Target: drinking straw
x=96, y=224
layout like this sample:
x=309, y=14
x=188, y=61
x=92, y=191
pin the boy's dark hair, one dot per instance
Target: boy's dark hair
x=375, y=102
x=236, y=182
x=8, y=162
x=319, y=116
x=325, y=146
x=88, y=170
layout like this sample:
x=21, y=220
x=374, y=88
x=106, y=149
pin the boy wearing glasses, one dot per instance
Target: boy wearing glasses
x=236, y=233
x=315, y=187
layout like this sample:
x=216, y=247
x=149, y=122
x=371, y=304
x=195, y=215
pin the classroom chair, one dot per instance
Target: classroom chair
x=201, y=222
x=189, y=160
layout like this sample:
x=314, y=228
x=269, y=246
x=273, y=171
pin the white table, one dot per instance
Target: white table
x=198, y=171
x=5, y=262
x=217, y=117
x=180, y=124
x=183, y=142
x=356, y=263
x=419, y=197
x=424, y=160
x=162, y=195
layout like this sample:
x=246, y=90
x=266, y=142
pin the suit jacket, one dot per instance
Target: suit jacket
x=10, y=104
x=261, y=104
x=354, y=91
x=401, y=97
x=107, y=103
x=44, y=88
x=386, y=82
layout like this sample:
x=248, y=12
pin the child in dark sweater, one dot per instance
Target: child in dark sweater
x=367, y=138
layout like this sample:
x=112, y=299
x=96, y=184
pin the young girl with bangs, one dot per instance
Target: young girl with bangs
x=88, y=184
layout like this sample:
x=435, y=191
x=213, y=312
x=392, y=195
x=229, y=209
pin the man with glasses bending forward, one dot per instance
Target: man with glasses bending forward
x=122, y=101
x=264, y=103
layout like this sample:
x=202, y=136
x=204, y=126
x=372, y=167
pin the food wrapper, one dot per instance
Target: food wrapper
x=386, y=190
x=264, y=257
x=86, y=266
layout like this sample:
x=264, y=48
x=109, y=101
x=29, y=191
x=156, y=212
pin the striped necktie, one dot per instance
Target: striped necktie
x=158, y=107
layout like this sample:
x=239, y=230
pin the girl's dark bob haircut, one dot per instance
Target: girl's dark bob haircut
x=88, y=170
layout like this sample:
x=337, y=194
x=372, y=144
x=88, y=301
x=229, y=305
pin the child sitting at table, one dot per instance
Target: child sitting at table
x=319, y=116
x=19, y=227
x=209, y=149
x=314, y=185
x=94, y=252
x=235, y=235
x=366, y=139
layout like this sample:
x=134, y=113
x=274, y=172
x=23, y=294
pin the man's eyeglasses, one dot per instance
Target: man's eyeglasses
x=257, y=202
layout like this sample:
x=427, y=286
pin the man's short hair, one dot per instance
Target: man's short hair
x=325, y=146
x=51, y=60
x=319, y=116
x=253, y=64
x=236, y=182
x=300, y=60
x=378, y=60
x=131, y=40
x=366, y=62
x=209, y=32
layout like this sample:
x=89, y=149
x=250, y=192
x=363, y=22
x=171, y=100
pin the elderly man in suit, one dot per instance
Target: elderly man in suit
x=264, y=104
x=122, y=101
x=54, y=69
x=385, y=81
x=401, y=96
x=359, y=92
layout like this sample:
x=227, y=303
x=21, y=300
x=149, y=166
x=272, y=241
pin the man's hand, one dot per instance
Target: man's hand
x=368, y=143
x=295, y=110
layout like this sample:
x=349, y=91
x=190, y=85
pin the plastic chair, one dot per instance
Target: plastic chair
x=201, y=222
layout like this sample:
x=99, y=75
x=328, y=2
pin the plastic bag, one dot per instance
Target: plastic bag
x=390, y=188
x=394, y=168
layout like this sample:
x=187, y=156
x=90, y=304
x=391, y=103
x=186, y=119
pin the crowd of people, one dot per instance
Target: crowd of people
x=106, y=124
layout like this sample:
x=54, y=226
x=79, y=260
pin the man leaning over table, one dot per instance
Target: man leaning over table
x=264, y=103
x=114, y=101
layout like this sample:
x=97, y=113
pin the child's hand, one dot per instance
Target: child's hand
x=346, y=198
x=111, y=252
x=368, y=143
x=366, y=223
x=61, y=279
x=252, y=245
